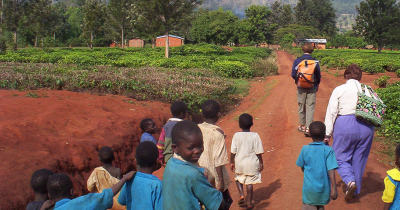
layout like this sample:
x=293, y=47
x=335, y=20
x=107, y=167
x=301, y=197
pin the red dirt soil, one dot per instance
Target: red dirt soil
x=63, y=130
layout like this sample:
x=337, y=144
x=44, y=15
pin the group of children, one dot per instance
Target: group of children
x=195, y=176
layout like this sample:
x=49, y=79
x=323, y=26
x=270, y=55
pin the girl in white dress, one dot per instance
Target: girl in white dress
x=246, y=159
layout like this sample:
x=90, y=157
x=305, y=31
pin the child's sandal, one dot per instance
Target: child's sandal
x=351, y=189
x=241, y=201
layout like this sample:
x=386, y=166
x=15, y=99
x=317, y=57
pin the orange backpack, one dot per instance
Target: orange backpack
x=305, y=73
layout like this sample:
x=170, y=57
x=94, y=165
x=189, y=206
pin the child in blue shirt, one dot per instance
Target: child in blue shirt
x=318, y=162
x=148, y=127
x=184, y=183
x=144, y=190
x=61, y=193
x=391, y=196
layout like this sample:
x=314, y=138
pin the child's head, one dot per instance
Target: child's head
x=179, y=109
x=317, y=131
x=106, y=155
x=398, y=156
x=245, y=121
x=211, y=109
x=148, y=125
x=146, y=155
x=39, y=181
x=60, y=186
x=187, y=141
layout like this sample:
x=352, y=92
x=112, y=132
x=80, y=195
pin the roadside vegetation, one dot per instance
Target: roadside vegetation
x=193, y=73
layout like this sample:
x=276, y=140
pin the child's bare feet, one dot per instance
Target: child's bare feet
x=250, y=207
x=241, y=200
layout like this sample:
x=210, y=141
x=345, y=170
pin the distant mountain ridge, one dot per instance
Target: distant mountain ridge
x=238, y=6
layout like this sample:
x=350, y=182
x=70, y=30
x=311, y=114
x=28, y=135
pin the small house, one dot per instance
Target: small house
x=317, y=43
x=136, y=43
x=173, y=41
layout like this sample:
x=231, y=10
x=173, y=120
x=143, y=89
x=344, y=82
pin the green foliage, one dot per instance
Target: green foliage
x=398, y=73
x=318, y=14
x=382, y=81
x=233, y=69
x=260, y=29
x=391, y=123
x=377, y=21
x=299, y=31
x=368, y=61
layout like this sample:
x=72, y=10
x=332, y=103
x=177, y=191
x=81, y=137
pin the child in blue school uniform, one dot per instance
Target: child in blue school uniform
x=184, y=184
x=61, y=193
x=391, y=195
x=143, y=191
x=318, y=162
x=149, y=128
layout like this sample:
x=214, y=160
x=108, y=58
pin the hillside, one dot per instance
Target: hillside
x=238, y=6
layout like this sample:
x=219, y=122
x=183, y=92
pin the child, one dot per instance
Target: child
x=144, y=190
x=62, y=194
x=105, y=176
x=178, y=110
x=39, y=185
x=246, y=159
x=184, y=183
x=148, y=127
x=390, y=195
x=214, y=156
x=318, y=162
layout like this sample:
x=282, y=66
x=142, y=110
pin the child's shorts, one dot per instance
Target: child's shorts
x=248, y=179
x=311, y=207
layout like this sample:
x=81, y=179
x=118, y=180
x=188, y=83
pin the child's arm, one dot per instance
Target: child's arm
x=47, y=205
x=334, y=193
x=387, y=206
x=260, y=160
x=117, y=187
x=161, y=147
x=233, y=162
x=221, y=179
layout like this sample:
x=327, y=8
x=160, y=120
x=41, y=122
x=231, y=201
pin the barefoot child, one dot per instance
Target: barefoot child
x=318, y=162
x=178, y=110
x=39, y=185
x=390, y=195
x=105, y=176
x=214, y=156
x=144, y=190
x=61, y=193
x=184, y=183
x=246, y=159
x=148, y=127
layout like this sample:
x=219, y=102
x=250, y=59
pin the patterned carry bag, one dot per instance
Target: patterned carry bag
x=370, y=107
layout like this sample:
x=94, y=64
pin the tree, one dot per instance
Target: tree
x=318, y=14
x=93, y=18
x=281, y=14
x=217, y=27
x=299, y=31
x=169, y=12
x=13, y=11
x=40, y=16
x=376, y=21
x=260, y=28
x=118, y=12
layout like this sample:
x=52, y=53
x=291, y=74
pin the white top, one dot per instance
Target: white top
x=246, y=146
x=343, y=101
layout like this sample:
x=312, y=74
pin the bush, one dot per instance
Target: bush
x=233, y=69
x=398, y=73
x=382, y=81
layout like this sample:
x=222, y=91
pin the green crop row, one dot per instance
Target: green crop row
x=235, y=64
x=368, y=60
x=193, y=86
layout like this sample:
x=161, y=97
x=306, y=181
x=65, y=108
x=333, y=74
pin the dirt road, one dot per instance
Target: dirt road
x=273, y=104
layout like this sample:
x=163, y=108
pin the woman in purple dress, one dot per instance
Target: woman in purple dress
x=352, y=137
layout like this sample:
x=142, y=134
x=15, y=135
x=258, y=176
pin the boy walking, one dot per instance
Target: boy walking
x=144, y=190
x=318, y=162
x=214, y=156
x=184, y=184
x=178, y=111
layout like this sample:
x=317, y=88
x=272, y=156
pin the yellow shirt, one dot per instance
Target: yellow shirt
x=214, y=154
x=390, y=188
